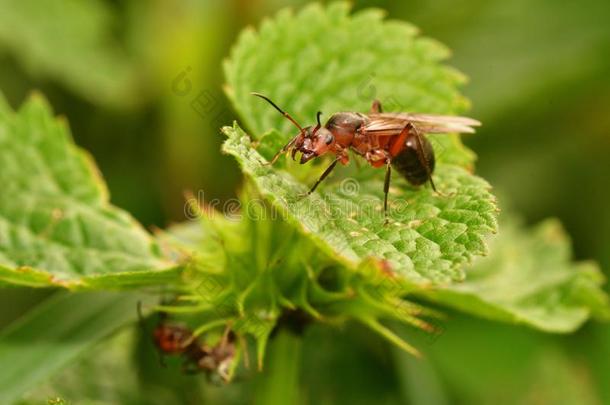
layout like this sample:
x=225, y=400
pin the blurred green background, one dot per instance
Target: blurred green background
x=141, y=86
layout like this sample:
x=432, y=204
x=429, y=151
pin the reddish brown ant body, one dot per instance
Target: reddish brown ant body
x=176, y=339
x=383, y=139
x=198, y=357
x=173, y=339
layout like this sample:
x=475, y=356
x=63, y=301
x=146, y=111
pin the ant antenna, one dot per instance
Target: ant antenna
x=146, y=332
x=140, y=316
x=319, y=124
x=284, y=113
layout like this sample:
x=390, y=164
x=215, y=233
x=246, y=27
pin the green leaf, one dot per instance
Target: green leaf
x=111, y=358
x=324, y=59
x=529, y=278
x=55, y=333
x=57, y=227
x=427, y=239
x=70, y=41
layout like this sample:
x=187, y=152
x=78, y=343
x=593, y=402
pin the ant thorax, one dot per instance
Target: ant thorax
x=344, y=126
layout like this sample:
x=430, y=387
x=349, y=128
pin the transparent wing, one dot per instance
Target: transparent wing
x=389, y=123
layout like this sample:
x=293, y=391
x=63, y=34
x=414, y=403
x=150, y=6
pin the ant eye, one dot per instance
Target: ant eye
x=329, y=139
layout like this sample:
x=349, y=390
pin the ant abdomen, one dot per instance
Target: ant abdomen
x=409, y=164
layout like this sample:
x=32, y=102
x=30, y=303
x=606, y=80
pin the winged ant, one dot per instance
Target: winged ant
x=382, y=139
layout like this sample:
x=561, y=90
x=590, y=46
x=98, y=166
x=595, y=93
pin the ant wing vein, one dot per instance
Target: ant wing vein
x=386, y=124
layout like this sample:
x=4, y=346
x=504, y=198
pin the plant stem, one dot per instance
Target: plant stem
x=280, y=383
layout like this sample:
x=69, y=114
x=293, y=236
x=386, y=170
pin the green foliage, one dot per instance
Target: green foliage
x=428, y=236
x=70, y=41
x=529, y=278
x=111, y=378
x=249, y=272
x=281, y=259
x=55, y=333
x=57, y=227
x=533, y=367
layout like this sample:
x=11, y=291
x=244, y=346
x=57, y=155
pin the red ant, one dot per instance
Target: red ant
x=175, y=339
x=383, y=139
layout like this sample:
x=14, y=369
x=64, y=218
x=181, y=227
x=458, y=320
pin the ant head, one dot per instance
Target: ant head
x=315, y=142
x=311, y=141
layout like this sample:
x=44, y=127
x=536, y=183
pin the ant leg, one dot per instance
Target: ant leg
x=323, y=176
x=376, y=157
x=432, y=184
x=376, y=107
x=281, y=151
x=358, y=164
x=386, y=188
